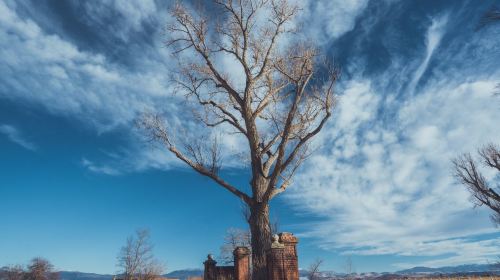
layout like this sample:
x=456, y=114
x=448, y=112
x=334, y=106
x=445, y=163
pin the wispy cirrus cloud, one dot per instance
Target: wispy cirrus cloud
x=462, y=250
x=99, y=168
x=15, y=135
x=434, y=35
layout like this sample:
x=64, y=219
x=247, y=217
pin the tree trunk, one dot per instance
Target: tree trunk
x=261, y=239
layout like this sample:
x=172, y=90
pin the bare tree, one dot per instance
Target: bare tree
x=235, y=237
x=136, y=258
x=314, y=270
x=284, y=99
x=41, y=269
x=467, y=173
x=15, y=272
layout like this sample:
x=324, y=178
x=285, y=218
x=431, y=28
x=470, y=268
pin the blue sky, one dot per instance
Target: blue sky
x=76, y=177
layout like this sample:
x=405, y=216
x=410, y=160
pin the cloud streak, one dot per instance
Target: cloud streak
x=99, y=168
x=14, y=135
x=434, y=35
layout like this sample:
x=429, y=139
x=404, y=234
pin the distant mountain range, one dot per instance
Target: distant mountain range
x=75, y=275
x=466, y=268
x=185, y=273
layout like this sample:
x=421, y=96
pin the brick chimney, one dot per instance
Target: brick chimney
x=282, y=261
x=210, y=268
x=290, y=260
x=241, y=263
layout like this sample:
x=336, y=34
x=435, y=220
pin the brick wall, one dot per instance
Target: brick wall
x=282, y=258
x=240, y=270
x=241, y=263
x=224, y=273
x=282, y=262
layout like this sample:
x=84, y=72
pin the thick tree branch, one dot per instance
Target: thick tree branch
x=157, y=131
x=467, y=173
x=287, y=131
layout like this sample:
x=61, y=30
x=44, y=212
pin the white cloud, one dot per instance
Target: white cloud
x=466, y=252
x=14, y=135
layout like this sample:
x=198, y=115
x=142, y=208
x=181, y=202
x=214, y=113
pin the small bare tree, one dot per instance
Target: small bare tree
x=282, y=102
x=313, y=273
x=467, y=173
x=235, y=237
x=136, y=258
x=41, y=269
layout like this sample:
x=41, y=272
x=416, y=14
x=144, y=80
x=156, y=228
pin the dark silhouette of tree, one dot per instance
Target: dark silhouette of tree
x=467, y=173
x=282, y=102
x=235, y=237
